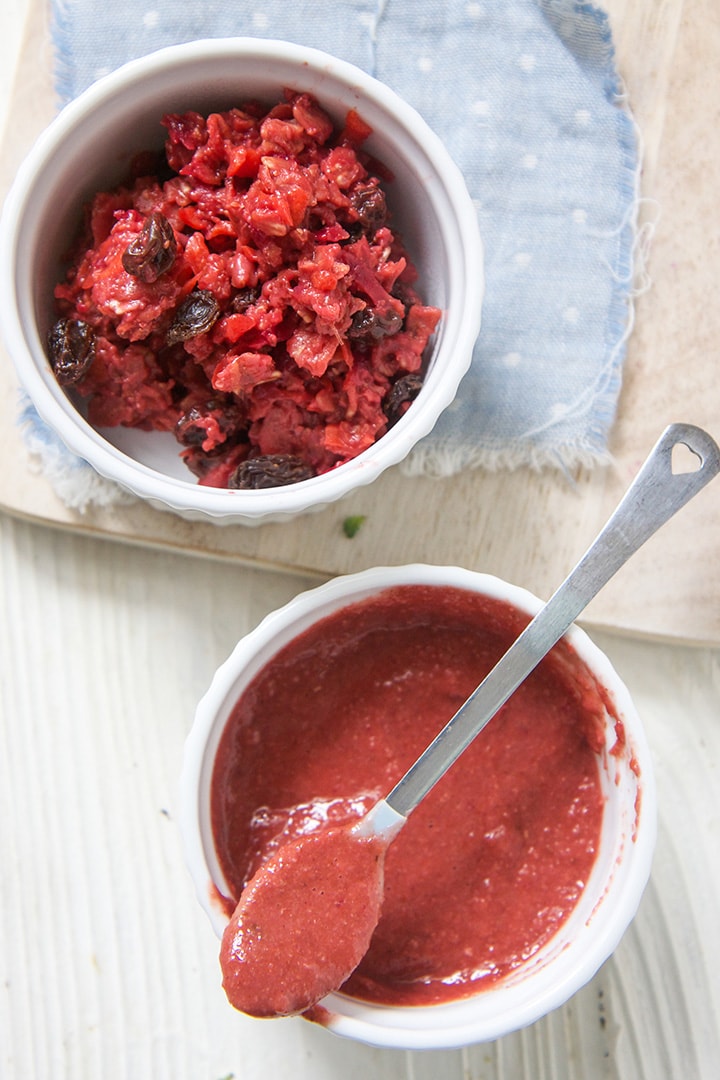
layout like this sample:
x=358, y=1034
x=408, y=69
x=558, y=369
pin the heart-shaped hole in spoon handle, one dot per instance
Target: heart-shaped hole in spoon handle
x=684, y=460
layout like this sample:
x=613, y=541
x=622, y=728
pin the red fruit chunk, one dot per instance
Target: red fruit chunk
x=240, y=374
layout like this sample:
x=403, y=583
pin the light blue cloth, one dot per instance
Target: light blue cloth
x=526, y=97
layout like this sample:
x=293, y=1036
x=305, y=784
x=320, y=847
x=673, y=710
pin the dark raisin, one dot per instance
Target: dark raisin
x=196, y=315
x=244, y=298
x=153, y=250
x=402, y=393
x=191, y=428
x=405, y=293
x=354, y=232
x=371, y=209
x=269, y=471
x=202, y=463
x=375, y=324
x=71, y=344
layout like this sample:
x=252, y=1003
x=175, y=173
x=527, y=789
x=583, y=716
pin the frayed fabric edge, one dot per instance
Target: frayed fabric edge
x=63, y=67
x=73, y=480
x=443, y=460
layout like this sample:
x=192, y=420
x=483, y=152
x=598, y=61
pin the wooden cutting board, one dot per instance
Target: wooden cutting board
x=527, y=527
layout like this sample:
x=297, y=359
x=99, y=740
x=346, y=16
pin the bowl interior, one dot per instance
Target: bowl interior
x=94, y=139
x=608, y=901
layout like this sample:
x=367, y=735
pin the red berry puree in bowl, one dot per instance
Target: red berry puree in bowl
x=248, y=293
x=494, y=859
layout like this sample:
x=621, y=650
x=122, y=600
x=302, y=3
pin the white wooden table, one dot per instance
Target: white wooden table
x=109, y=969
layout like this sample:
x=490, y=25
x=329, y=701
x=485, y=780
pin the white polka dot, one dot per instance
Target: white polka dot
x=260, y=20
x=583, y=117
x=151, y=19
x=480, y=108
x=522, y=258
x=558, y=410
x=425, y=63
x=366, y=18
x=473, y=11
x=571, y=314
x=529, y=161
x=512, y=359
x=579, y=216
x=477, y=203
x=527, y=62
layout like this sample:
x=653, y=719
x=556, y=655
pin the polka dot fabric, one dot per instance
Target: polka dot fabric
x=526, y=97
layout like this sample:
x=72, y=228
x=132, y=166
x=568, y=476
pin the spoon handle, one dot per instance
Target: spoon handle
x=654, y=496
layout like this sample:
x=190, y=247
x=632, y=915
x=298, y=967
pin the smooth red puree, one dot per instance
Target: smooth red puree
x=303, y=923
x=494, y=859
x=247, y=292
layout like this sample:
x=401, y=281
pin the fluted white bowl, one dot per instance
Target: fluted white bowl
x=609, y=899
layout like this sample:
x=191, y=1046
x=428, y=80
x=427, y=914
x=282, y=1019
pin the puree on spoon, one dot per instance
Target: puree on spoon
x=304, y=922
x=494, y=859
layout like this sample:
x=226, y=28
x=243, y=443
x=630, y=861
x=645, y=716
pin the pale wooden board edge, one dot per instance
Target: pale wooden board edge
x=527, y=527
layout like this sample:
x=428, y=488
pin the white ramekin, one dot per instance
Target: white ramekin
x=608, y=902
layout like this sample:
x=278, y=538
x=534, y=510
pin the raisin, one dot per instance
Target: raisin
x=405, y=293
x=196, y=315
x=269, y=471
x=371, y=209
x=192, y=427
x=72, y=350
x=153, y=250
x=401, y=395
x=243, y=298
x=375, y=324
x=189, y=429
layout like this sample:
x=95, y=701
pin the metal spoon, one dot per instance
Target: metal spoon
x=655, y=495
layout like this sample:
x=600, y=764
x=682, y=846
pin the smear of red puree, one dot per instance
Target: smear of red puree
x=303, y=923
x=493, y=860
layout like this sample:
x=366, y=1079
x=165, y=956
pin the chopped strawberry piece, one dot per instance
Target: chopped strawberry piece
x=312, y=351
x=240, y=374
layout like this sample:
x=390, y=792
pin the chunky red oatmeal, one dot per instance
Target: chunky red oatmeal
x=248, y=294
